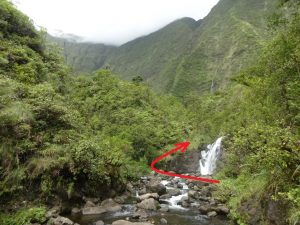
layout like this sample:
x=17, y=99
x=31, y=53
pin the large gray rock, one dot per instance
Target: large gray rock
x=148, y=195
x=99, y=222
x=164, y=208
x=142, y=191
x=212, y=214
x=54, y=212
x=193, y=194
x=204, y=209
x=163, y=221
x=222, y=209
x=97, y=210
x=110, y=205
x=174, y=192
x=150, y=204
x=155, y=186
x=124, y=222
x=140, y=214
x=60, y=221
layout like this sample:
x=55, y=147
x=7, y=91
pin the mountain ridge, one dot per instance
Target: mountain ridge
x=186, y=55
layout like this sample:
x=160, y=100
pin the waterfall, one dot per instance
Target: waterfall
x=209, y=157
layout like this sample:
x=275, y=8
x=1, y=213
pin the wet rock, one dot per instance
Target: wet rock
x=204, y=209
x=212, y=214
x=97, y=210
x=75, y=211
x=140, y=214
x=163, y=201
x=60, y=221
x=222, y=209
x=179, y=185
x=203, y=198
x=196, y=188
x=124, y=222
x=120, y=199
x=173, y=192
x=150, y=204
x=54, y=212
x=155, y=186
x=185, y=204
x=100, y=222
x=193, y=194
x=148, y=195
x=142, y=191
x=110, y=205
x=164, y=208
x=129, y=187
x=185, y=198
x=165, y=196
x=163, y=221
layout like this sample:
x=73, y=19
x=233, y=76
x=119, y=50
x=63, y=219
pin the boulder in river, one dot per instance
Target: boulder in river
x=155, y=186
x=60, y=221
x=150, y=204
x=140, y=214
x=97, y=210
x=110, y=205
x=164, y=208
x=54, y=212
x=173, y=192
x=124, y=222
x=148, y=195
x=211, y=214
x=222, y=209
x=163, y=221
x=99, y=222
x=204, y=208
x=193, y=194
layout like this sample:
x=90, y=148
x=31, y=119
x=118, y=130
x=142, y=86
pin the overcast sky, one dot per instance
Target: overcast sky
x=110, y=21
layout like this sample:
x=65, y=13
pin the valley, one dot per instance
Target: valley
x=80, y=123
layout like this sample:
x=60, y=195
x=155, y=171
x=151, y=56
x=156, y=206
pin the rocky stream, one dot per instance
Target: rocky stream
x=155, y=199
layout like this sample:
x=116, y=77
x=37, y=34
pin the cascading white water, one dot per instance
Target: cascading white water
x=174, y=200
x=209, y=157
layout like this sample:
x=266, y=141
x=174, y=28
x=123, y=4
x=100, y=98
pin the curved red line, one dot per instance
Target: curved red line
x=206, y=180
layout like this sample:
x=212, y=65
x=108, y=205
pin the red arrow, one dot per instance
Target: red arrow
x=182, y=147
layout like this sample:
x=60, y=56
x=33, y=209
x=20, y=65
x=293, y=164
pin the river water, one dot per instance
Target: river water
x=177, y=215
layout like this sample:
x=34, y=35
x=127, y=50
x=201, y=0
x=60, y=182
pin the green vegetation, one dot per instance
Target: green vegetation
x=259, y=115
x=82, y=57
x=61, y=135
x=24, y=217
x=187, y=55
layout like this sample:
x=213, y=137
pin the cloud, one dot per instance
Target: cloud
x=111, y=21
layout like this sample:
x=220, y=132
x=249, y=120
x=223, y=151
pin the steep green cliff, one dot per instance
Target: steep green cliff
x=186, y=55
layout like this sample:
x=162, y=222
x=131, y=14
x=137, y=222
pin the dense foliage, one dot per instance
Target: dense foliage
x=86, y=135
x=63, y=135
x=259, y=117
x=186, y=55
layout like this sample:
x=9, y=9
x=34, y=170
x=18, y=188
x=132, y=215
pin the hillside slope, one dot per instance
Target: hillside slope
x=228, y=40
x=82, y=57
x=152, y=55
x=186, y=55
